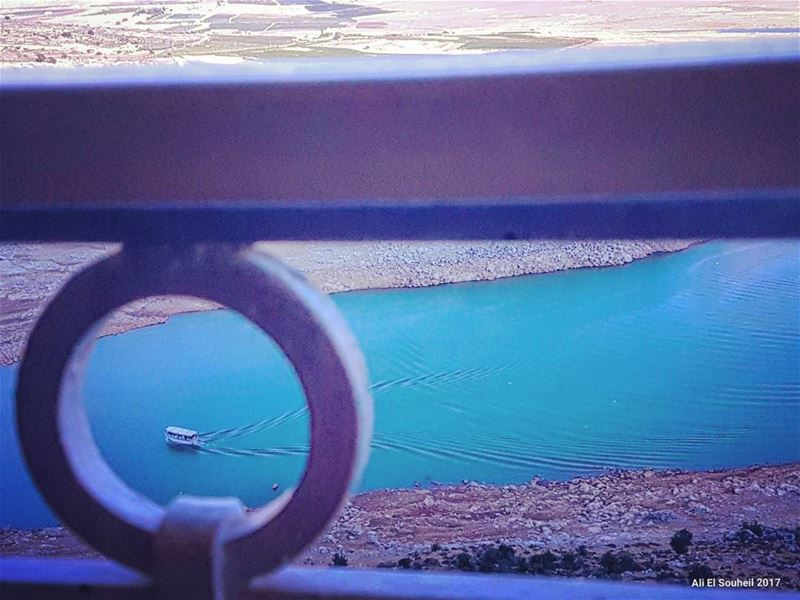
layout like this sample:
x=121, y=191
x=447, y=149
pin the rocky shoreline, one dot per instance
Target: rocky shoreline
x=660, y=526
x=31, y=273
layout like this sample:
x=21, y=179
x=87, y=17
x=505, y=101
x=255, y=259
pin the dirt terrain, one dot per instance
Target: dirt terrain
x=743, y=523
x=46, y=32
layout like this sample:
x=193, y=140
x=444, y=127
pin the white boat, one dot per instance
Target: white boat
x=178, y=436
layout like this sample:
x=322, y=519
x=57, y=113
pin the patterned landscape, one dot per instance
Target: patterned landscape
x=36, y=32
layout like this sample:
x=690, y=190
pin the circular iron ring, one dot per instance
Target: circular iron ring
x=56, y=439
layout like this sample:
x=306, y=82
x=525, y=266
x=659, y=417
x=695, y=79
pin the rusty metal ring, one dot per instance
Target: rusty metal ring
x=56, y=438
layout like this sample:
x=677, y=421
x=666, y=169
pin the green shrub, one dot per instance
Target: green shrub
x=542, y=563
x=753, y=527
x=681, y=541
x=497, y=560
x=699, y=571
x=616, y=564
x=464, y=562
x=569, y=561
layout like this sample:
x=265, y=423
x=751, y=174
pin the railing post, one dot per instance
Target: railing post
x=189, y=549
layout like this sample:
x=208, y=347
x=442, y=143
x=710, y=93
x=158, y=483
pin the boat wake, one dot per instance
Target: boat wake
x=378, y=389
x=263, y=425
x=213, y=442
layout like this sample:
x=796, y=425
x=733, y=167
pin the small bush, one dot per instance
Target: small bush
x=609, y=562
x=681, y=541
x=522, y=565
x=339, y=560
x=616, y=564
x=569, y=561
x=404, y=563
x=753, y=527
x=435, y=548
x=699, y=571
x=505, y=551
x=664, y=574
x=628, y=563
x=497, y=560
x=464, y=562
x=542, y=564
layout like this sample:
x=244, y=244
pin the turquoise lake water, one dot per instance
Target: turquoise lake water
x=689, y=360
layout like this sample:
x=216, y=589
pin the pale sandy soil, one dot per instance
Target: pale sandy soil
x=31, y=273
x=617, y=525
x=47, y=32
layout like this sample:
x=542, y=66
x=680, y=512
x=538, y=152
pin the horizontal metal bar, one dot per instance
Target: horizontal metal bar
x=403, y=131
x=764, y=214
x=45, y=578
x=49, y=578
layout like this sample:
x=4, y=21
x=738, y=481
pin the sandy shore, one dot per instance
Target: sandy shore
x=31, y=273
x=744, y=523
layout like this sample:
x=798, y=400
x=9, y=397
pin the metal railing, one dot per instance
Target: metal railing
x=186, y=166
